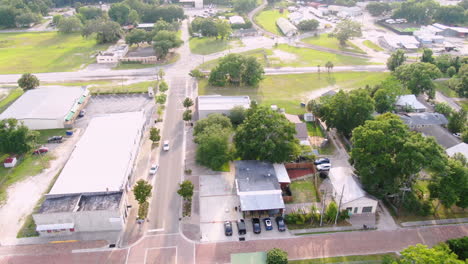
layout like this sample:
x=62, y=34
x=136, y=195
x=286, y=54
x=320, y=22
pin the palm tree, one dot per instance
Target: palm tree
x=329, y=66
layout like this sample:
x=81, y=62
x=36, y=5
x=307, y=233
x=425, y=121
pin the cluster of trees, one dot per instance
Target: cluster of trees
x=260, y=134
x=308, y=25
x=237, y=69
x=138, y=36
x=457, y=120
x=106, y=31
x=211, y=27
x=16, y=138
x=345, y=30
x=425, y=11
x=20, y=13
x=244, y=6
x=378, y=8
x=314, y=216
x=132, y=11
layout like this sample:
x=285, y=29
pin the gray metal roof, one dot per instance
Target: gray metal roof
x=424, y=119
x=441, y=135
x=301, y=131
x=44, y=103
x=261, y=202
x=252, y=175
x=410, y=100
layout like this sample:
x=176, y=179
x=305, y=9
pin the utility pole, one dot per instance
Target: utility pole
x=339, y=205
x=323, y=206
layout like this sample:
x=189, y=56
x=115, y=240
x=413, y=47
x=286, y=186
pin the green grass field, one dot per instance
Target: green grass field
x=267, y=20
x=442, y=86
x=115, y=88
x=303, y=191
x=172, y=57
x=10, y=98
x=288, y=91
x=204, y=46
x=372, y=45
x=314, y=129
x=324, y=41
x=45, y=52
x=47, y=133
x=361, y=259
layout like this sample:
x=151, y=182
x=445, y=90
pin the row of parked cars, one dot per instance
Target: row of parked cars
x=256, y=224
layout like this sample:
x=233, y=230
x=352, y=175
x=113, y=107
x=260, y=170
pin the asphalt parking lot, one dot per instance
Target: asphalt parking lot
x=115, y=103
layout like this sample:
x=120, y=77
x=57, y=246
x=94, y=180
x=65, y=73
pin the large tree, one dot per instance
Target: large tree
x=214, y=148
x=451, y=14
x=136, y=36
x=419, y=11
x=212, y=119
x=16, y=138
x=205, y=26
x=119, y=13
x=106, y=31
x=69, y=25
x=384, y=101
x=164, y=41
x=223, y=29
x=237, y=69
x=457, y=121
x=266, y=135
x=427, y=56
x=396, y=59
x=347, y=110
x=386, y=155
x=28, y=81
x=378, y=8
x=308, y=25
x=347, y=29
x=421, y=254
x=418, y=77
x=243, y=6
x=277, y=256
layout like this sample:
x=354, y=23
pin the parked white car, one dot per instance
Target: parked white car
x=154, y=168
x=166, y=145
x=324, y=167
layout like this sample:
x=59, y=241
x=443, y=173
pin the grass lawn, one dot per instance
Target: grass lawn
x=324, y=41
x=207, y=45
x=170, y=58
x=10, y=98
x=267, y=20
x=47, y=133
x=372, y=45
x=289, y=90
x=45, y=52
x=314, y=129
x=260, y=54
x=30, y=165
x=303, y=191
x=362, y=259
x=78, y=83
x=225, y=167
x=442, y=86
x=115, y=88
x=463, y=104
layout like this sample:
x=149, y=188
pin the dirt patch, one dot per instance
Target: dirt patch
x=284, y=56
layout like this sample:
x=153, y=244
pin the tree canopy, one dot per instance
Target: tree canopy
x=378, y=8
x=277, y=256
x=386, y=154
x=106, y=31
x=347, y=29
x=266, y=135
x=308, y=25
x=396, y=59
x=69, y=25
x=237, y=69
x=421, y=254
x=186, y=190
x=164, y=41
x=28, y=81
x=142, y=191
x=16, y=138
x=418, y=77
x=450, y=185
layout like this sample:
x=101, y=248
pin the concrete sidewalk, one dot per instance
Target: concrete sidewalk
x=435, y=222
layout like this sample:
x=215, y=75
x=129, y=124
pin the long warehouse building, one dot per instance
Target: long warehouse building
x=90, y=193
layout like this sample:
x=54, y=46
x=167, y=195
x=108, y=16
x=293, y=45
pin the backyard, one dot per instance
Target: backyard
x=45, y=52
x=288, y=91
x=303, y=191
x=267, y=20
x=324, y=40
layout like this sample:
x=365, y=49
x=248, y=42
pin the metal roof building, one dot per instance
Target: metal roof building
x=417, y=120
x=236, y=20
x=210, y=104
x=47, y=107
x=409, y=101
x=286, y=27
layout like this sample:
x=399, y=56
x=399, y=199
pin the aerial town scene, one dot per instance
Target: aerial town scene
x=233, y=131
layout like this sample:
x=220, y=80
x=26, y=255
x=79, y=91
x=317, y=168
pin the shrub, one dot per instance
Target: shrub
x=143, y=210
x=163, y=87
x=161, y=99
x=277, y=256
x=459, y=246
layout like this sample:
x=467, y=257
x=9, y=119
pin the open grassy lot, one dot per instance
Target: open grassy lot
x=29, y=165
x=303, y=191
x=115, y=88
x=324, y=40
x=45, y=52
x=314, y=129
x=207, y=45
x=372, y=45
x=78, y=83
x=172, y=57
x=267, y=20
x=10, y=98
x=288, y=91
x=362, y=259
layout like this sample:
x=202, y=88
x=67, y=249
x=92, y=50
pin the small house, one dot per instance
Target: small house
x=409, y=102
x=10, y=162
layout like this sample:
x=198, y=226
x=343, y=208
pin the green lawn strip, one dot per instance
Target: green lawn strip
x=314, y=129
x=324, y=40
x=303, y=191
x=10, y=98
x=225, y=167
x=267, y=20
x=289, y=90
x=78, y=83
x=442, y=86
x=463, y=104
x=372, y=45
x=306, y=57
x=47, y=133
x=346, y=259
x=170, y=58
x=30, y=165
x=29, y=227
x=46, y=52
x=204, y=46
x=140, y=87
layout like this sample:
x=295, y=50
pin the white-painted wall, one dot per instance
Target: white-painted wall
x=359, y=204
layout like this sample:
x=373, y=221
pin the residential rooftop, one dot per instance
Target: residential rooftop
x=103, y=158
x=44, y=103
x=343, y=176
x=252, y=175
x=424, y=119
x=410, y=100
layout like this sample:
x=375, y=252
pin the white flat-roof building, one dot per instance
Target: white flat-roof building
x=236, y=20
x=90, y=193
x=347, y=189
x=113, y=54
x=47, y=107
x=210, y=104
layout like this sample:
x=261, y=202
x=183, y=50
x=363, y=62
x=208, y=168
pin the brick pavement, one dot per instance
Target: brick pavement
x=167, y=248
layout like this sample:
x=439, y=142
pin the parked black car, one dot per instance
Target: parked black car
x=228, y=228
x=321, y=161
x=82, y=113
x=55, y=139
x=256, y=225
x=241, y=227
x=281, y=224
